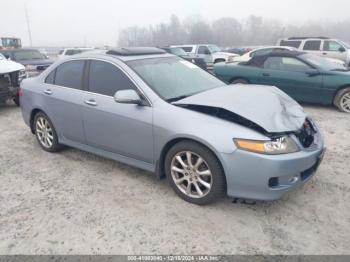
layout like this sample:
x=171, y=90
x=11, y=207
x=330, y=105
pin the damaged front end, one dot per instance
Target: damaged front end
x=9, y=85
x=305, y=135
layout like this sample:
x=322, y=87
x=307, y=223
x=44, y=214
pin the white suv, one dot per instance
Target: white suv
x=321, y=46
x=210, y=53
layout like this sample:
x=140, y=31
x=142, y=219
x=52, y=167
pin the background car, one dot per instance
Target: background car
x=211, y=54
x=321, y=46
x=33, y=61
x=238, y=50
x=260, y=51
x=189, y=57
x=11, y=75
x=305, y=77
x=158, y=112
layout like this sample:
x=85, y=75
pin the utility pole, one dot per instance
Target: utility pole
x=28, y=26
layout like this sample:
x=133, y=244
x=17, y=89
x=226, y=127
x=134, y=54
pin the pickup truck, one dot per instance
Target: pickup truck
x=210, y=53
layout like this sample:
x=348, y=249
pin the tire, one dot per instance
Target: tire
x=208, y=176
x=16, y=100
x=342, y=100
x=45, y=132
x=239, y=81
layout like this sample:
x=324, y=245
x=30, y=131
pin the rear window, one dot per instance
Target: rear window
x=295, y=44
x=312, y=45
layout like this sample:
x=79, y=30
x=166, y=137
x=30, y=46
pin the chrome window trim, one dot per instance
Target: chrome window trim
x=86, y=59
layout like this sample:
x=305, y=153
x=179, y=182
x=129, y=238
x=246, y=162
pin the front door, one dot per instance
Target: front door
x=293, y=77
x=124, y=129
x=333, y=49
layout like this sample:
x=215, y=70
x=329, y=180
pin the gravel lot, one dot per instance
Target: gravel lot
x=78, y=203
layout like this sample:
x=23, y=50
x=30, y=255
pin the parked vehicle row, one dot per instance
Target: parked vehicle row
x=161, y=113
x=189, y=57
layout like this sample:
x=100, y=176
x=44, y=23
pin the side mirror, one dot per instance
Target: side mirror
x=342, y=49
x=128, y=96
x=312, y=72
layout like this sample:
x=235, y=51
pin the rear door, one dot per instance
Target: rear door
x=292, y=76
x=124, y=129
x=313, y=47
x=63, y=91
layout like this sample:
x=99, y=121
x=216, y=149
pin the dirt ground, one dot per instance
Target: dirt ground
x=78, y=203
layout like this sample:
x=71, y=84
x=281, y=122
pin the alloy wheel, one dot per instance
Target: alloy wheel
x=44, y=132
x=345, y=102
x=191, y=174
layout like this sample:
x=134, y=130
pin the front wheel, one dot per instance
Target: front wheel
x=342, y=100
x=194, y=173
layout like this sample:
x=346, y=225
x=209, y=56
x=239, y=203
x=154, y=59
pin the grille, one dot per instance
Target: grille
x=306, y=135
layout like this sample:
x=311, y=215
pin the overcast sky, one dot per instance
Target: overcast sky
x=97, y=22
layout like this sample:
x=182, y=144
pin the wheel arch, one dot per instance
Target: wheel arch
x=33, y=113
x=160, y=168
x=219, y=60
x=238, y=77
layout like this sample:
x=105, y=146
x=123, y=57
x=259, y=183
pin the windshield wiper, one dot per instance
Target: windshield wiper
x=174, y=99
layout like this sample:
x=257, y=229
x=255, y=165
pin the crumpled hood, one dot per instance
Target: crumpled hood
x=266, y=106
x=7, y=66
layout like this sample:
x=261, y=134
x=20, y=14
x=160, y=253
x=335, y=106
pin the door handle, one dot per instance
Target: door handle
x=266, y=74
x=48, y=92
x=90, y=102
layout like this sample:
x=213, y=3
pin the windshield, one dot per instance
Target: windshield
x=178, y=51
x=214, y=48
x=27, y=55
x=173, y=78
x=346, y=45
x=323, y=63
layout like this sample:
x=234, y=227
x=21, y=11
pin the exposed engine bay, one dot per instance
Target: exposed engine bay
x=9, y=85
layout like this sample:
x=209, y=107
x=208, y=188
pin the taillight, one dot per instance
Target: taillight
x=20, y=92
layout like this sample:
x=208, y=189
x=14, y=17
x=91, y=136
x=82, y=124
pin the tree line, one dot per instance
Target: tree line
x=227, y=32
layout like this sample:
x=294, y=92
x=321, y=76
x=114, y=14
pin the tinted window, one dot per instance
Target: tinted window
x=50, y=78
x=295, y=44
x=312, y=45
x=331, y=46
x=187, y=49
x=285, y=64
x=203, y=50
x=70, y=74
x=107, y=79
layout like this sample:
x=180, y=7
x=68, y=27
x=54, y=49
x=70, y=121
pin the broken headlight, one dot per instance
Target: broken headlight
x=277, y=146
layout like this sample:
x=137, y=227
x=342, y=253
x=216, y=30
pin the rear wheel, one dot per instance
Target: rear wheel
x=194, y=173
x=342, y=100
x=46, y=133
x=239, y=81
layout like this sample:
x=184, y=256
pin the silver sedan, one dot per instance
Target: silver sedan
x=158, y=112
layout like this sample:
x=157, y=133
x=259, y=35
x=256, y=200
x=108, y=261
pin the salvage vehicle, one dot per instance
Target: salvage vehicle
x=304, y=77
x=321, y=46
x=211, y=54
x=33, y=61
x=11, y=75
x=189, y=57
x=155, y=111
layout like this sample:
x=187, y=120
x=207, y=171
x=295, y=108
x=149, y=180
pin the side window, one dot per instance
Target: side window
x=312, y=45
x=285, y=64
x=70, y=74
x=273, y=63
x=187, y=49
x=107, y=79
x=50, y=78
x=203, y=50
x=295, y=44
x=331, y=46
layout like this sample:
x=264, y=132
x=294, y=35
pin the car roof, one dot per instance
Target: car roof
x=126, y=54
x=286, y=53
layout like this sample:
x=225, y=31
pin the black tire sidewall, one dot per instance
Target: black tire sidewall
x=219, y=183
x=338, y=97
x=55, y=145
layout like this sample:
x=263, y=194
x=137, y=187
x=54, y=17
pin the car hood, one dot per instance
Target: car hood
x=36, y=62
x=7, y=66
x=265, y=106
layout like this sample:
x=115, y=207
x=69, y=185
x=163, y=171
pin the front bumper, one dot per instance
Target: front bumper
x=269, y=177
